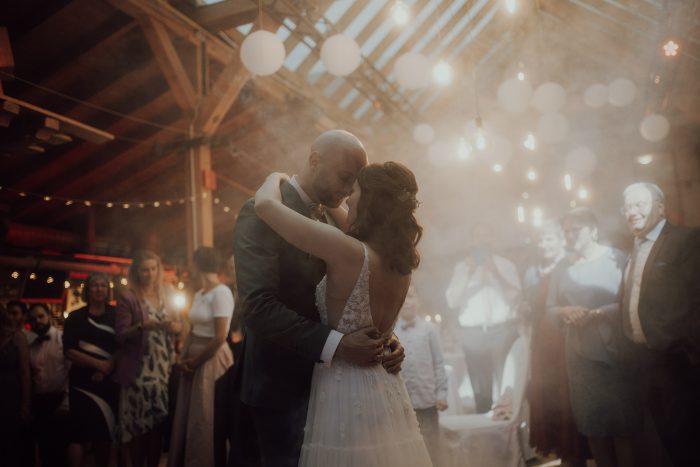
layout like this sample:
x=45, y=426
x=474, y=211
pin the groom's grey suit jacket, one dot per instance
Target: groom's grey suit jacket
x=276, y=286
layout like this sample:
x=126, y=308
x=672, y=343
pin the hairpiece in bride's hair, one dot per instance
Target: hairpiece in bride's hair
x=405, y=195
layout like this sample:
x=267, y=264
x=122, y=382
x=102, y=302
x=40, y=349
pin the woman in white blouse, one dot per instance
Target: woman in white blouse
x=205, y=358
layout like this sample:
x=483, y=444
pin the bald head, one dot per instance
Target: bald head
x=331, y=170
x=334, y=144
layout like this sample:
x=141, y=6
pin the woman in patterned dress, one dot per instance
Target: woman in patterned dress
x=145, y=328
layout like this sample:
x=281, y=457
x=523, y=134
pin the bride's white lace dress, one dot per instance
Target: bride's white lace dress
x=359, y=416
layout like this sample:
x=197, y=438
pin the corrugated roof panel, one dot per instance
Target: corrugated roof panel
x=361, y=110
x=349, y=97
x=335, y=11
x=364, y=17
x=406, y=34
x=446, y=16
x=296, y=56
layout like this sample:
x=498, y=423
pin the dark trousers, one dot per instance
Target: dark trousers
x=673, y=399
x=485, y=350
x=50, y=429
x=280, y=434
x=429, y=424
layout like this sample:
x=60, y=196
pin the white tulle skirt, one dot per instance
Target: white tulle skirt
x=360, y=417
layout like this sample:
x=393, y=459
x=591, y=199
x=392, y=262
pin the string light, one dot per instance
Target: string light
x=428, y=318
x=537, y=216
x=529, y=142
x=32, y=276
x=498, y=168
x=49, y=280
x=464, y=149
x=645, y=159
x=521, y=76
x=568, y=184
x=671, y=48
x=511, y=6
x=582, y=193
x=531, y=175
x=438, y=318
x=124, y=281
x=66, y=285
x=180, y=285
x=400, y=13
x=15, y=275
x=521, y=214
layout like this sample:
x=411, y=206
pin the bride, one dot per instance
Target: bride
x=358, y=416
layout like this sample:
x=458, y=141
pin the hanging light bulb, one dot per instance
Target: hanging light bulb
x=479, y=136
x=567, y=182
x=400, y=13
x=582, y=193
x=521, y=214
x=529, y=142
x=511, y=6
x=521, y=76
x=498, y=168
x=442, y=73
x=537, y=217
x=464, y=149
x=671, y=48
x=531, y=175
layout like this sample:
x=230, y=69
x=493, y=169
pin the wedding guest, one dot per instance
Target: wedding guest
x=205, y=358
x=583, y=296
x=89, y=343
x=14, y=391
x=552, y=428
x=423, y=371
x=145, y=325
x=485, y=291
x=49, y=388
x=661, y=318
x=18, y=312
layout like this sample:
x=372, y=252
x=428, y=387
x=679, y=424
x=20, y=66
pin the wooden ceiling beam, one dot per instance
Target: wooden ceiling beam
x=170, y=64
x=121, y=165
x=71, y=159
x=225, y=15
x=80, y=66
x=178, y=23
x=214, y=107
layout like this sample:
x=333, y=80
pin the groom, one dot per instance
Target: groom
x=276, y=285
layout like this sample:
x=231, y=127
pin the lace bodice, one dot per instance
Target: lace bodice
x=356, y=313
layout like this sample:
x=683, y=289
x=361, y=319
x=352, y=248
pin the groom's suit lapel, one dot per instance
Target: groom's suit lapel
x=291, y=198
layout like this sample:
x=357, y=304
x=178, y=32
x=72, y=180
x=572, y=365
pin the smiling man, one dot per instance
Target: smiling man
x=661, y=317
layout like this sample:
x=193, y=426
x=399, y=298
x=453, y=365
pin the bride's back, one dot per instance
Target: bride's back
x=387, y=290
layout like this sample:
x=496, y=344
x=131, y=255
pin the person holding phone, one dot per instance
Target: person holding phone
x=485, y=293
x=145, y=327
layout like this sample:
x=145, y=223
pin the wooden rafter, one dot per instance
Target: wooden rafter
x=170, y=64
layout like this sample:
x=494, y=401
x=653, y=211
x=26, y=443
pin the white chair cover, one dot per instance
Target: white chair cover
x=477, y=440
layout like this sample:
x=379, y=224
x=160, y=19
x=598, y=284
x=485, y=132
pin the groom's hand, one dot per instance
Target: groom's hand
x=363, y=347
x=392, y=362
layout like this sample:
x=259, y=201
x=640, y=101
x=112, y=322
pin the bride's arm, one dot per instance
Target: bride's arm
x=316, y=238
x=340, y=217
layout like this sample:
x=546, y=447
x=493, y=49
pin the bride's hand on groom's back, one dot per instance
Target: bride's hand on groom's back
x=363, y=347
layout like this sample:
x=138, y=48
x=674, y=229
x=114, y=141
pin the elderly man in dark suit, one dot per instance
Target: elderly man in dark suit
x=284, y=337
x=661, y=318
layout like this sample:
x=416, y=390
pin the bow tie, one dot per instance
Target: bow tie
x=41, y=338
x=318, y=212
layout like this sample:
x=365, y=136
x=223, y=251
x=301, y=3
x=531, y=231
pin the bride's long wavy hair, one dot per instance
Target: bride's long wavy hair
x=386, y=214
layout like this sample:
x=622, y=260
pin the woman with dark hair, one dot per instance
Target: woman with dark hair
x=145, y=326
x=205, y=358
x=89, y=343
x=583, y=297
x=358, y=416
x=15, y=391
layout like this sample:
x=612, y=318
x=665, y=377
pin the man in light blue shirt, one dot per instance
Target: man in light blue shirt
x=423, y=370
